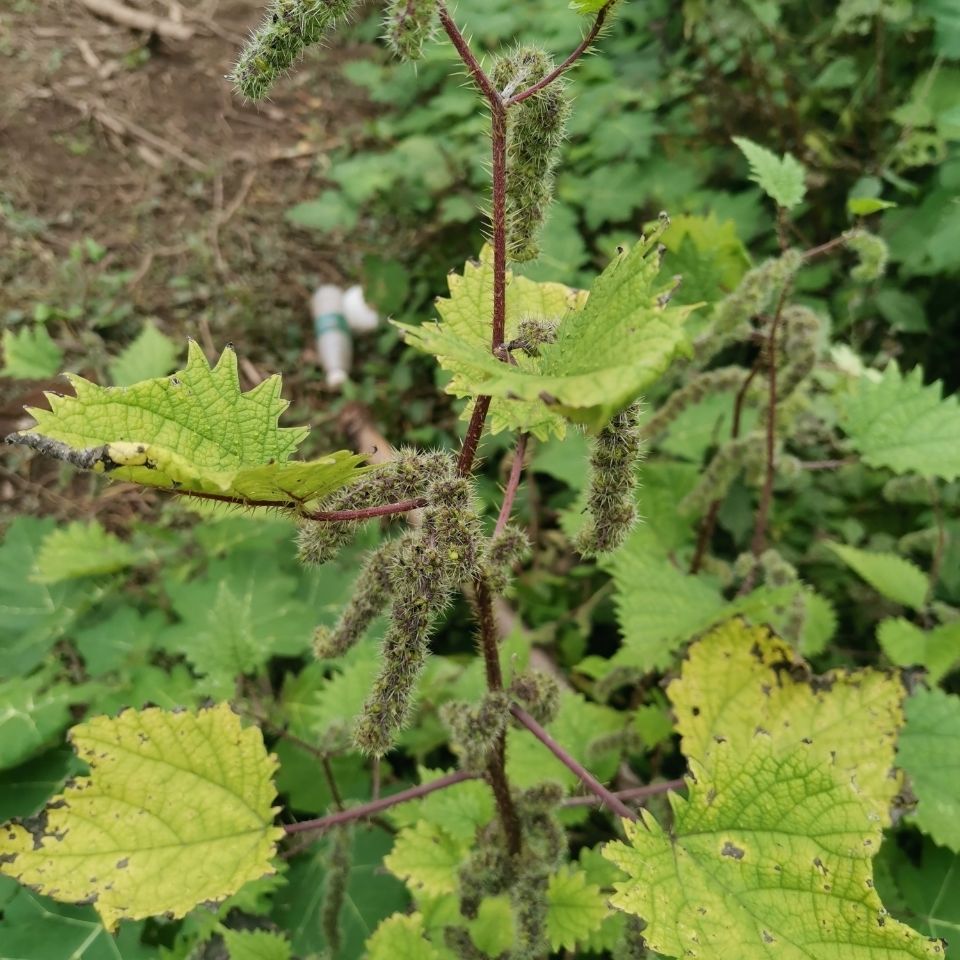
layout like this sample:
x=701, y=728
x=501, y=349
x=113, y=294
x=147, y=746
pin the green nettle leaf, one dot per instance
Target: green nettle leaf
x=659, y=607
x=926, y=894
x=194, y=431
x=606, y=352
x=32, y=712
x=234, y=619
x=781, y=178
x=256, y=945
x=150, y=354
x=897, y=422
x=402, y=937
x=907, y=645
x=575, y=908
x=588, y=6
x=929, y=753
x=81, y=550
x=864, y=206
x=465, y=320
x=770, y=853
x=177, y=810
x=893, y=576
x=493, y=930
x=426, y=857
x=30, y=353
x=33, y=616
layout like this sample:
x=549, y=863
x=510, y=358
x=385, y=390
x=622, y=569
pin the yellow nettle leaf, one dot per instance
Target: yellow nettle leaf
x=192, y=431
x=770, y=853
x=177, y=810
x=738, y=679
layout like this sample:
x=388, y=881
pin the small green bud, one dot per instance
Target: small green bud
x=287, y=29
x=504, y=550
x=529, y=901
x=409, y=25
x=475, y=730
x=798, y=347
x=532, y=333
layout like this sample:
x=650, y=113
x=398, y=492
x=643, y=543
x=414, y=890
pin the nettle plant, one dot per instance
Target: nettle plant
x=767, y=846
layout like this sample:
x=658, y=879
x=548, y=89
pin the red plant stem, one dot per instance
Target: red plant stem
x=590, y=781
x=499, y=149
x=496, y=767
x=466, y=55
x=766, y=494
x=376, y=806
x=634, y=793
x=569, y=62
x=827, y=464
x=367, y=513
x=824, y=248
x=472, y=440
x=516, y=471
x=330, y=516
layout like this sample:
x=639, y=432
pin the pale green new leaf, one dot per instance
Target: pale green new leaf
x=426, y=858
x=889, y=574
x=781, y=178
x=256, y=945
x=194, y=431
x=177, y=810
x=782, y=818
x=492, y=930
x=575, y=908
x=30, y=353
x=607, y=351
x=907, y=645
x=402, y=937
x=150, y=354
x=897, y=422
x=81, y=550
x=929, y=753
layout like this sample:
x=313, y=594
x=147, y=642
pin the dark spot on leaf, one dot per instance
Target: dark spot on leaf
x=807, y=741
x=818, y=863
x=122, y=863
x=718, y=739
x=766, y=937
x=695, y=711
x=730, y=850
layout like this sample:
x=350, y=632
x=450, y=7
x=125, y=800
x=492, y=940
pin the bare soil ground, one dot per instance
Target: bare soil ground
x=134, y=184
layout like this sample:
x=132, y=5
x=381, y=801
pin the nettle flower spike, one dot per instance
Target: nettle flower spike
x=536, y=128
x=409, y=25
x=873, y=253
x=371, y=592
x=287, y=29
x=428, y=565
x=616, y=452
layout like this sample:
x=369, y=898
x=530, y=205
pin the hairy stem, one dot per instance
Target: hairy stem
x=569, y=62
x=321, y=516
x=496, y=768
x=766, y=494
x=710, y=520
x=610, y=799
x=634, y=793
x=377, y=806
x=516, y=471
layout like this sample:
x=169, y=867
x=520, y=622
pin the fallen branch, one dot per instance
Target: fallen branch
x=138, y=19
